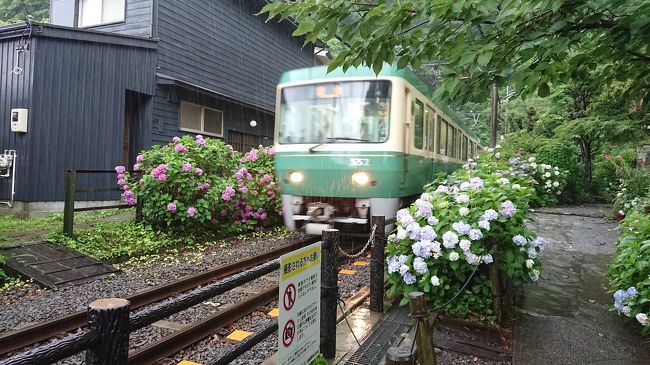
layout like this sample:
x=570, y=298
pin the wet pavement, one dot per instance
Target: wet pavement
x=565, y=317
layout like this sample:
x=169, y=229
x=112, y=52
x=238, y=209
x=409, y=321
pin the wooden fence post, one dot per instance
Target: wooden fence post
x=109, y=318
x=138, y=210
x=424, y=334
x=68, y=207
x=377, y=265
x=329, y=295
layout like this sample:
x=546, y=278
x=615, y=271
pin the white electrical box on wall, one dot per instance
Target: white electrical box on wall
x=19, y=120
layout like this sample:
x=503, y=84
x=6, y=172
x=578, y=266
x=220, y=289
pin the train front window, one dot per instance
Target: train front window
x=337, y=112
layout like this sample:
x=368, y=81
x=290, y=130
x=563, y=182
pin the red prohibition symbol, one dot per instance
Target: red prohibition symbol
x=289, y=297
x=288, y=333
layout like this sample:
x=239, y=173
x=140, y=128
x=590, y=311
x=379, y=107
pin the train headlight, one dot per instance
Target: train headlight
x=360, y=178
x=296, y=177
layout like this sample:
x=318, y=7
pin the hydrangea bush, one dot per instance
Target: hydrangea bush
x=451, y=228
x=630, y=271
x=197, y=185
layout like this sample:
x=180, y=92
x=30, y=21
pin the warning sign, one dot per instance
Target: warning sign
x=299, y=320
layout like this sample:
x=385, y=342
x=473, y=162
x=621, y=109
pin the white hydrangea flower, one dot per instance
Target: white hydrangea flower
x=531, y=160
x=534, y=275
x=533, y=165
x=503, y=181
x=463, y=211
x=556, y=168
x=497, y=155
x=556, y=184
x=530, y=263
x=490, y=150
x=516, y=186
x=435, y=281
x=465, y=245
x=426, y=197
x=557, y=173
x=642, y=318
x=453, y=256
x=392, y=237
x=401, y=233
x=548, y=174
x=627, y=310
x=462, y=198
x=497, y=146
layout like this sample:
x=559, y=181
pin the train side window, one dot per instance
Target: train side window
x=465, y=147
x=419, y=124
x=430, y=129
x=442, y=137
x=451, y=131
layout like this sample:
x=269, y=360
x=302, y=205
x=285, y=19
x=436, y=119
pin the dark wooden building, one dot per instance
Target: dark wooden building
x=111, y=77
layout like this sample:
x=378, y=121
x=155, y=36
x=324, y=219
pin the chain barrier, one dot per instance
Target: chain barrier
x=365, y=248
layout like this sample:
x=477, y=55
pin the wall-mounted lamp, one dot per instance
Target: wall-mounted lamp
x=253, y=123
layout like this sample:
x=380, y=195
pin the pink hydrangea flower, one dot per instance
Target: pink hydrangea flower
x=508, y=209
x=171, y=207
x=176, y=139
x=204, y=186
x=214, y=221
x=121, y=182
x=269, y=151
x=139, y=158
x=162, y=177
x=125, y=187
x=136, y=167
x=224, y=212
x=120, y=176
x=263, y=216
x=191, y=211
x=198, y=171
x=180, y=148
x=120, y=169
x=186, y=166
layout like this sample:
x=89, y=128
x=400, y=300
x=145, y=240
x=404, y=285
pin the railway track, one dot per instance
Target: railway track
x=34, y=334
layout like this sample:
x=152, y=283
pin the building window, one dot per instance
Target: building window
x=97, y=12
x=201, y=119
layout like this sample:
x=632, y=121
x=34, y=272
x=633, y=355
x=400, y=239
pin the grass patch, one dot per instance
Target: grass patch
x=111, y=240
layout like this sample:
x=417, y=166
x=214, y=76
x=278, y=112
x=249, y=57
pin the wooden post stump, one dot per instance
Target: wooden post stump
x=109, y=318
x=399, y=356
x=330, y=292
x=424, y=335
x=68, y=205
x=377, y=266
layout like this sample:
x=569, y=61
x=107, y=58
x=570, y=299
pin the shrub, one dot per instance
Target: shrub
x=197, y=185
x=448, y=233
x=630, y=271
x=565, y=157
x=634, y=188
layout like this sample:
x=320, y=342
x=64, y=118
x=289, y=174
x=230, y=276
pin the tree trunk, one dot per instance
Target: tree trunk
x=585, y=156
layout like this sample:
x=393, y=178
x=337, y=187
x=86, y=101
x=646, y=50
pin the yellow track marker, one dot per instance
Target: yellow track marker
x=275, y=312
x=361, y=263
x=238, y=335
x=347, y=272
x=185, y=362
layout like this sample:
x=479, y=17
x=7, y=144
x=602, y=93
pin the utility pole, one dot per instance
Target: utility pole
x=494, y=120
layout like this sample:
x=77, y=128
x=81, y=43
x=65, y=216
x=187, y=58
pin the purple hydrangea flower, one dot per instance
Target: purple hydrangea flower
x=136, y=167
x=422, y=249
x=198, y=171
x=120, y=169
x=484, y=224
x=176, y=139
x=461, y=227
x=420, y=266
x=490, y=215
x=186, y=166
x=427, y=233
x=424, y=208
x=139, y=158
x=409, y=278
x=191, y=211
x=508, y=209
x=432, y=221
x=204, y=186
x=476, y=183
x=475, y=234
x=171, y=207
x=519, y=240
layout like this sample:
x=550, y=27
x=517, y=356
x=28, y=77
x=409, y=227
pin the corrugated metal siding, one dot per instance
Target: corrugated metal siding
x=77, y=113
x=15, y=92
x=235, y=115
x=222, y=46
x=137, y=21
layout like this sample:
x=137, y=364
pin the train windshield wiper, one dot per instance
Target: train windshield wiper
x=336, y=139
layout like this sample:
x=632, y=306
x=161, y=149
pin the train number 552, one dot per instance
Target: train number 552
x=359, y=162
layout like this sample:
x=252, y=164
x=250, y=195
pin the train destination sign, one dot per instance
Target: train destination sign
x=299, y=304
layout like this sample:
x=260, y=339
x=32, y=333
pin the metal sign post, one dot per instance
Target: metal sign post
x=299, y=304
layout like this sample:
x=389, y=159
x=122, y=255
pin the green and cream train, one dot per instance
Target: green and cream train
x=354, y=144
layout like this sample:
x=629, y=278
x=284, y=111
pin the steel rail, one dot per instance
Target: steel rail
x=197, y=331
x=45, y=330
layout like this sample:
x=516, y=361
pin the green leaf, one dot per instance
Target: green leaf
x=484, y=58
x=544, y=90
x=303, y=28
